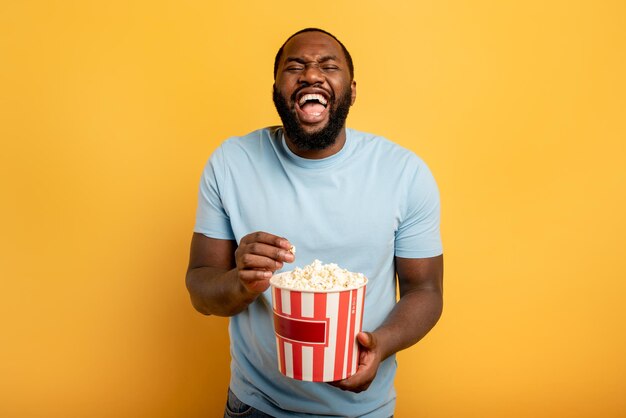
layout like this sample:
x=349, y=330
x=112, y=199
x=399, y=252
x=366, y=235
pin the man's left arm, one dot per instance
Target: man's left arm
x=418, y=310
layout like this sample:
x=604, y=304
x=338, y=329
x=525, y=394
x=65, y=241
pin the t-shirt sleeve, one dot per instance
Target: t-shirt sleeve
x=418, y=235
x=212, y=219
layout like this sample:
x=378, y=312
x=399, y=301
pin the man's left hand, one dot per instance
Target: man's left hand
x=369, y=360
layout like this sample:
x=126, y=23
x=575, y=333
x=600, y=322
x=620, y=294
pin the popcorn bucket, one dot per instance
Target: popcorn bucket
x=316, y=332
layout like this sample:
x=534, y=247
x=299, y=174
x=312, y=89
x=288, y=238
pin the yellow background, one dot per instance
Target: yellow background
x=109, y=110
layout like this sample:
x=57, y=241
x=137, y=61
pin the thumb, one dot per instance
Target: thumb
x=366, y=339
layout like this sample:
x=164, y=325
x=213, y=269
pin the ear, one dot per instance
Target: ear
x=353, y=95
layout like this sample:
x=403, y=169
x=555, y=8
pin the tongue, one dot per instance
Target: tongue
x=313, y=108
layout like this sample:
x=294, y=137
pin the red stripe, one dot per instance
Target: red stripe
x=358, y=351
x=319, y=313
x=342, y=319
x=278, y=305
x=278, y=302
x=351, y=331
x=296, y=312
x=362, y=307
x=296, y=304
x=281, y=353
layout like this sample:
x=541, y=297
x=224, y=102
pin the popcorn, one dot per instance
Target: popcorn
x=318, y=276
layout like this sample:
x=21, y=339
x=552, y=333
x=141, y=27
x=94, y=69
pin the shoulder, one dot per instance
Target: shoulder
x=379, y=148
x=249, y=146
x=244, y=155
x=252, y=139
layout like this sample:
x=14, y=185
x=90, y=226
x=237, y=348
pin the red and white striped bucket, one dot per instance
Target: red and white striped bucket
x=316, y=332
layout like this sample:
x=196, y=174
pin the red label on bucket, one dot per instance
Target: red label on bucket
x=313, y=332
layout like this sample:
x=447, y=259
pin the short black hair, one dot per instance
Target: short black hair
x=345, y=50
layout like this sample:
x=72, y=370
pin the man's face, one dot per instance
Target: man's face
x=313, y=90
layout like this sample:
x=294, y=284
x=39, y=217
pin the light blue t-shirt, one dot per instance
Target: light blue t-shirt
x=358, y=208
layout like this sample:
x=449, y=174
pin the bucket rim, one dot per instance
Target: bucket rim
x=347, y=289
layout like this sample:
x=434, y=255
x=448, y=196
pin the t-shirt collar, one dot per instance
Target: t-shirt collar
x=316, y=163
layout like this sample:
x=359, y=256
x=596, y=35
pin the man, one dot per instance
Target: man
x=338, y=195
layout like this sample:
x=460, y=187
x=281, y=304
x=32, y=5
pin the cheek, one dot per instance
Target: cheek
x=340, y=86
x=285, y=85
x=286, y=93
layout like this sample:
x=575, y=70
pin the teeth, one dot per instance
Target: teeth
x=308, y=97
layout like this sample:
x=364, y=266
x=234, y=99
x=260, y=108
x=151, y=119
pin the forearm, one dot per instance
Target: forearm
x=216, y=291
x=415, y=314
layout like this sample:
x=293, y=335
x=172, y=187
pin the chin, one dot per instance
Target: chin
x=312, y=130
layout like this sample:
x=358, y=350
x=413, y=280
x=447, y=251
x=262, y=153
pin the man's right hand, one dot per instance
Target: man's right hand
x=258, y=256
x=223, y=278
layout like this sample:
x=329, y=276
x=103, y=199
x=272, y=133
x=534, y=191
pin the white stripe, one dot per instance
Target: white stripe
x=308, y=305
x=357, y=324
x=349, y=344
x=278, y=343
x=332, y=306
x=288, y=359
x=307, y=363
x=285, y=298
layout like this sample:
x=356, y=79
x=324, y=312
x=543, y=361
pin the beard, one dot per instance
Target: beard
x=322, y=138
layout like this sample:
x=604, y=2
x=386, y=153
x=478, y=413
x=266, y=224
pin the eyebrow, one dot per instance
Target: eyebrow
x=303, y=61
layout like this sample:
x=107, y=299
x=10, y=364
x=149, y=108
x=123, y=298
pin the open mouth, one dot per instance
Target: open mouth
x=312, y=107
x=313, y=104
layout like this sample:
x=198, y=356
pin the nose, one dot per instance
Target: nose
x=311, y=75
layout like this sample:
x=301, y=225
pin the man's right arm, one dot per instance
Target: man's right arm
x=223, y=278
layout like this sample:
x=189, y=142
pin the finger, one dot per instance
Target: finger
x=265, y=250
x=248, y=276
x=355, y=383
x=249, y=261
x=256, y=286
x=267, y=238
x=366, y=339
